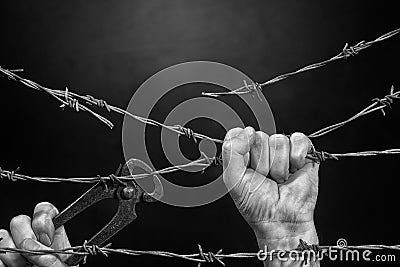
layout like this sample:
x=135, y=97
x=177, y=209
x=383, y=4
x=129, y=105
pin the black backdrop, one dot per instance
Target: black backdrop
x=108, y=48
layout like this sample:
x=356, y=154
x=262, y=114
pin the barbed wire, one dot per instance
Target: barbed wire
x=378, y=104
x=204, y=162
x=200, y=257
x=346, y=52
x=71, y=100
x=14, y=176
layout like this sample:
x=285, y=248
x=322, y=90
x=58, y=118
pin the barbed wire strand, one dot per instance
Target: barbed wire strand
x=71, y=99
x=346, y=52
x=317, y=156
x=199, y=257
x=378, y=104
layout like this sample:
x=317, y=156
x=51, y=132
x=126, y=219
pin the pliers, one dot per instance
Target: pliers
x=127, y=193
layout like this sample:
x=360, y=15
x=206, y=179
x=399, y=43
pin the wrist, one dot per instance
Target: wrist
x=286, y=237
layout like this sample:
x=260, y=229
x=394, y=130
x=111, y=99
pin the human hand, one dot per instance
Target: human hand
x=273, y=185
x=37, y=233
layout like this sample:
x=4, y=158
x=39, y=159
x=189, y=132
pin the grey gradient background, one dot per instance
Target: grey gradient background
x=108, y=48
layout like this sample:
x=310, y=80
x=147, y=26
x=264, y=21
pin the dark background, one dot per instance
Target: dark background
x=108, y=48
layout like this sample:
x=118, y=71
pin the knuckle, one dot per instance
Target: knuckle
x=49, y=260
x=40, y=222
x=4, y=233
x=18, y=220
x=227, y=146
x=279, y=137
x=298, y=136
x=262, y=134
x=233, y=132
x=261, y=138
x=279, y=140
x=45, y=206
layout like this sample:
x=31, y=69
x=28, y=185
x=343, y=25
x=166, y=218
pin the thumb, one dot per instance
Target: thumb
x=235, y=154
x=46, y=260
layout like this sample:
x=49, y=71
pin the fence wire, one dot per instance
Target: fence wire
x=200, y=257
x=346, y=52
x=74, y=101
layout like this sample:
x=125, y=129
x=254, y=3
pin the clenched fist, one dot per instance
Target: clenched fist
x=273, y=185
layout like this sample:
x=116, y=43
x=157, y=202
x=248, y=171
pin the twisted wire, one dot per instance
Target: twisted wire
x=71, y=99
x=378, y=104
x=346, y=52
x=199, y=257
x=63, y=96
x=317, y=156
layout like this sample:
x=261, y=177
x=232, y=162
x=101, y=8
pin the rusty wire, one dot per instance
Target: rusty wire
x=346, y=52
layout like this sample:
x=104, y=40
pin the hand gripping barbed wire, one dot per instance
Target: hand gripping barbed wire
x=346, y=52
x=200, y=257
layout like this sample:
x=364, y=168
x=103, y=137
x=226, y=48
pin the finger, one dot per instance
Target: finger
x=43, y=227
x=47, y=260
x=259, y=153
x=2, y=264
x=279, y=149
x=235, y=155
x=9, y=259
x=20, y=228
x=42, y=222
x=300, y=144
x=232, y=133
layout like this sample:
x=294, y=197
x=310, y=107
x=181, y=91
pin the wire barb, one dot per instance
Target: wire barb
x=9, y=175
x=98, y=102
x=320, y=156
x=387, y=101
x=189, y=133
x=209, y=257
x=93, y=250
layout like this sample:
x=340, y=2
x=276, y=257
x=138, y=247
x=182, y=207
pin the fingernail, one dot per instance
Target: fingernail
x=30, y=244
x=44, y=239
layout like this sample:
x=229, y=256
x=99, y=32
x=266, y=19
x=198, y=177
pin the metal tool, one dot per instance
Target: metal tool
x=127, y=194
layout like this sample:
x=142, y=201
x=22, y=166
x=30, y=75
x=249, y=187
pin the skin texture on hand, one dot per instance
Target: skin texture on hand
x=34, y=234
x=274, y=187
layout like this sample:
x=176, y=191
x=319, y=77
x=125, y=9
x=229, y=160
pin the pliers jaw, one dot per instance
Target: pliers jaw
x=128, y=195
